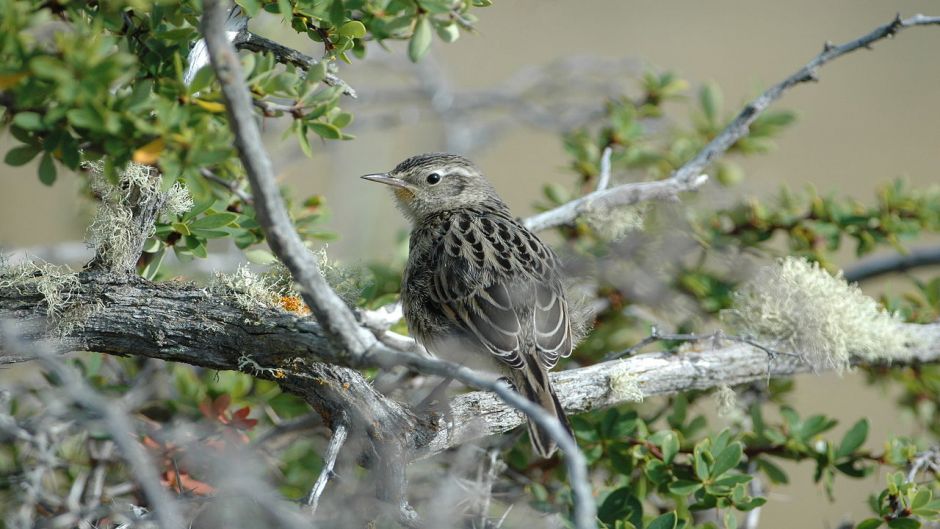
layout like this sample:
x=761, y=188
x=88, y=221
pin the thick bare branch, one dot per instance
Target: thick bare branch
x=689, y=177
x=184, y=323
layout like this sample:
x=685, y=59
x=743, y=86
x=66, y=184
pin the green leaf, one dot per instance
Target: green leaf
x=153, y=267
x=251, y=7
x=216, y=220
x=870, y=523
x=85, y=118
x=904, y=523
x=353, y=28
x=670, y=446
x=448, y=32
x=709, y=97
x=701, y=464
x=325, y=130
x=727, y=459
x=775, y=473
x=853, y=438
x=28, y=120
x=665, y=521
x=260, y=256
x=684, y=487
x=342, y=120
x=420, y=39
x=621, y=504
x=21, y=155
x=47, y=170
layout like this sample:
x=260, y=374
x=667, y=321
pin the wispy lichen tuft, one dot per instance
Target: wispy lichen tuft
x=56, y=284
x=625, y=385
x=115, y=233
x=614, y=224
x=727, y=400
x=178, y=200
x=251, y=291
x=806, y=310
x=347, y=281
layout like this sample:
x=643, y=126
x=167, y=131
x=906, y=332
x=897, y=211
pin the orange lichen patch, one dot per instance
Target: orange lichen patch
x=294, y=304
x=346, y=385
x=279, y=374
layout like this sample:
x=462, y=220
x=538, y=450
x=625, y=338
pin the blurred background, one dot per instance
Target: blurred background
x=873, y=117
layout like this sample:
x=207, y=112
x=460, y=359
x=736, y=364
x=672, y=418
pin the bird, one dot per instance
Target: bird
x=478, y=281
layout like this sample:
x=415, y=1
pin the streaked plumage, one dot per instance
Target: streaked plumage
x=479, y=280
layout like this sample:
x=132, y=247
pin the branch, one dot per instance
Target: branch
x=181, y=322
x=689, y=177
x=329, y=461
x=889, y=264
x=246, y=40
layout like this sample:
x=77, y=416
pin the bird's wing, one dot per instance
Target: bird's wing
x=498, y=282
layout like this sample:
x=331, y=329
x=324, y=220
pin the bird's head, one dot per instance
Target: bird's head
x=432, y=183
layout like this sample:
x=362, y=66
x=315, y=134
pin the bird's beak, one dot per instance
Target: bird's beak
x=384, y=178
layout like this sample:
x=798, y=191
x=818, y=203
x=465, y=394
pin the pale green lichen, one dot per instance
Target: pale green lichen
x=250, y=290
x=178, y=200
x=347, y=281
x=801, y=307
x=114, y=232
x=614, y=224
x=56, y=284
x=625, y=385
x=726, y=400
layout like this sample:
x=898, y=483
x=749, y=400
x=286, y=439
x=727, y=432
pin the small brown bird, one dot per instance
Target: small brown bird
x=477, y=280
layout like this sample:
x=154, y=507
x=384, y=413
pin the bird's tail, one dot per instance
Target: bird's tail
x=533, y=383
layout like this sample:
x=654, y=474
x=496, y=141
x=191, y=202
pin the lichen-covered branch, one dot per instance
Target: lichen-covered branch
x=689, y=177
x=184, y=323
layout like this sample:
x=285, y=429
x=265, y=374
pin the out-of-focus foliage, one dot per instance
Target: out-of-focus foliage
x=84, y=82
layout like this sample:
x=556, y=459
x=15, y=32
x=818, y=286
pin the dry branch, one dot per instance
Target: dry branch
x=184, y=323
x=689, y=177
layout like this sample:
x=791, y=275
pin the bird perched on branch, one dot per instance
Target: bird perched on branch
x=478, y=282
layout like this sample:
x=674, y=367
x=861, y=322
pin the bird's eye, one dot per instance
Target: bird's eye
x=434, y=178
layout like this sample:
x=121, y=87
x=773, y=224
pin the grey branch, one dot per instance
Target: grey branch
x=181, y=322
x=892, y=263
x=329, y=461
x=355, y=345
x=689, y=177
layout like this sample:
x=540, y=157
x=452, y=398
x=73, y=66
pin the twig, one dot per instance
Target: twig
x=689, y=177
x=304, y=422
x=116, y=423
x=247, y=40
x=928, y=459
x=717, y=336
x=889, y=264
x=603, y=180
x=329, y=461
x=231, y=185
x=622, y=195
x=755, y=488
x=340, y=324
